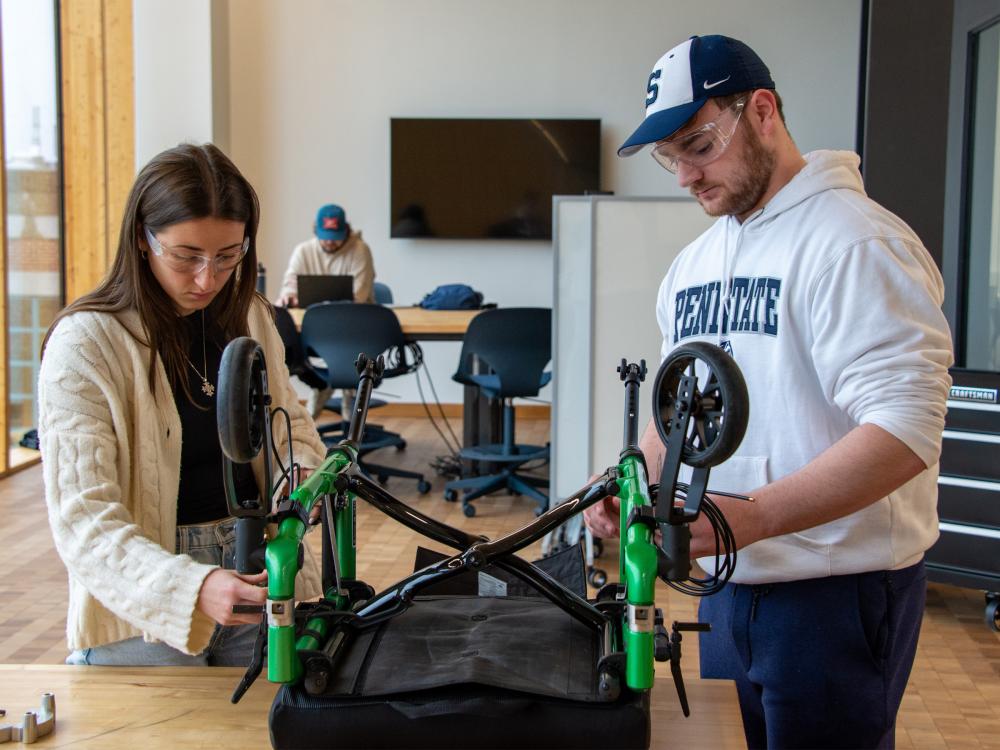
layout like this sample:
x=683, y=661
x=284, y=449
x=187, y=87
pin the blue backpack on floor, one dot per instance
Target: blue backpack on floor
x=453, y=297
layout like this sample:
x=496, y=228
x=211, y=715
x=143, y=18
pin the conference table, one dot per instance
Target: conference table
x=419, y=324
x=122, y=708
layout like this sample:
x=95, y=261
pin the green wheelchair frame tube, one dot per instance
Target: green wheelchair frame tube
x=638, y=569
x=282, y=562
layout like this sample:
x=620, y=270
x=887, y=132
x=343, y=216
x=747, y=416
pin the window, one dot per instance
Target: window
x=67, y=150
x=32, y=179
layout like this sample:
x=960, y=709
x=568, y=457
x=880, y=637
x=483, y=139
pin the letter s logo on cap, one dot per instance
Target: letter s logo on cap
x=651, y=88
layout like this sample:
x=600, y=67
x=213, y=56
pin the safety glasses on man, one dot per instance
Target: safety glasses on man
x=182, y=260
x=702, y=146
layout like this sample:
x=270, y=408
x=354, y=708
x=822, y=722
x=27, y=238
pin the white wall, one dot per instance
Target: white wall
x=313, y=83
x=173, y=75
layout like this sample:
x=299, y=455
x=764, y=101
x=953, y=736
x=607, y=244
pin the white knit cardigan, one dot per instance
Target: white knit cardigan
x=111, y=455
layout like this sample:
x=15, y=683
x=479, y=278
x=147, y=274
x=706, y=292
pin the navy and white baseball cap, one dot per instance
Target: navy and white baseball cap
x=687, y=76
x=331, y=222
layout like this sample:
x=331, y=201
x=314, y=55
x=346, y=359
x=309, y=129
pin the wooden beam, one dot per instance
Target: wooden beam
x=98, y=106
x=83, y=130
x=119, y=97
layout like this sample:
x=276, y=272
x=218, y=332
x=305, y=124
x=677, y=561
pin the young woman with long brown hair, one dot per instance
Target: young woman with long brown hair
x=131, y=457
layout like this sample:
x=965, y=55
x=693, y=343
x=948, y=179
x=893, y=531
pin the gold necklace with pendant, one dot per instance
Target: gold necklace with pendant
x=206, y=387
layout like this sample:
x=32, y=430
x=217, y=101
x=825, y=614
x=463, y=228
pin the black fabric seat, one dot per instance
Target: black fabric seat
x=474, y=717
x=462, y=670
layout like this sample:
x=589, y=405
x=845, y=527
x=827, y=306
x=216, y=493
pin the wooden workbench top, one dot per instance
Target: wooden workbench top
x=133, y=708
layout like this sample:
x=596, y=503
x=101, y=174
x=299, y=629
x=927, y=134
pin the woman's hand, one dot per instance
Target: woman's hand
x=222, y=588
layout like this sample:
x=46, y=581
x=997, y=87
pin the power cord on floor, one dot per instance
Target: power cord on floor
x=449, y=464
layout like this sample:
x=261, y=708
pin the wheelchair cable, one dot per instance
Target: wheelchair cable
x=293, y=471
x=725, y=548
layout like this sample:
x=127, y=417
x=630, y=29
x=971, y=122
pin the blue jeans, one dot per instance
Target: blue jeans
x=820, y=663
x=210, y=543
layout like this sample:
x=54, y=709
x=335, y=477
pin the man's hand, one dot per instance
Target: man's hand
x=287, y=300
x=222, y=588
x=602, y=518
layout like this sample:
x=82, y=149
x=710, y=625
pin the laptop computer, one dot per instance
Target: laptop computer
x=315, y=288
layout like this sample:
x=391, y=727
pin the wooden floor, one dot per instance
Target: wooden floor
x=952, y=701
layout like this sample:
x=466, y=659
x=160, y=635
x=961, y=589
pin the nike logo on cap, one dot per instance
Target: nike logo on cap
x=708, y=85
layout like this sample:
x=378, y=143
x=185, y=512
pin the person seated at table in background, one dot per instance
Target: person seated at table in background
x=336, y=250
x=129, y=440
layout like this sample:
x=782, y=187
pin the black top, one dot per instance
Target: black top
x=201, y=496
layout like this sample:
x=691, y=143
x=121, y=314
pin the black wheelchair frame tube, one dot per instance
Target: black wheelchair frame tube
x=476, y=553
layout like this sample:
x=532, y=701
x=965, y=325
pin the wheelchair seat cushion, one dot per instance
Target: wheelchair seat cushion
x=465, y=671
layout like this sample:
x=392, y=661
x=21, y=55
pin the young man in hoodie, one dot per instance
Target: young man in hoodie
x=831, y=306
x=336, y=249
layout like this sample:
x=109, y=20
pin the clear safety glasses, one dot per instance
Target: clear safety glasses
x=184, y=261
x=704, y=145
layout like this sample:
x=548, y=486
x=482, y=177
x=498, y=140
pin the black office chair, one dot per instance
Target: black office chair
x=337, y=332
x=295, y=356
x=512, y=347
x=383, y=294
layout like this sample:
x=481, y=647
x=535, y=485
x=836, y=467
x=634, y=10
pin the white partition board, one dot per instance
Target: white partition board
x=610, y=256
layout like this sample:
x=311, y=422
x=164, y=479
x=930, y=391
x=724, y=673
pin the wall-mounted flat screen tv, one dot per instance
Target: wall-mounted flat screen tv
x=488, y=179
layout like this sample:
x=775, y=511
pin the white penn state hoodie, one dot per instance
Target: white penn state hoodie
x=831, y=306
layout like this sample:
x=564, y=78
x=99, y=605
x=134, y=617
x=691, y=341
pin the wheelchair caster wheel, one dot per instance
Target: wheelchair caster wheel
x=719, y=408
x=469, y=510
x=598, y=547
x=597, y=577
x=992, y=616
x=450, y=496
x=401, y=446
x=423, y=486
